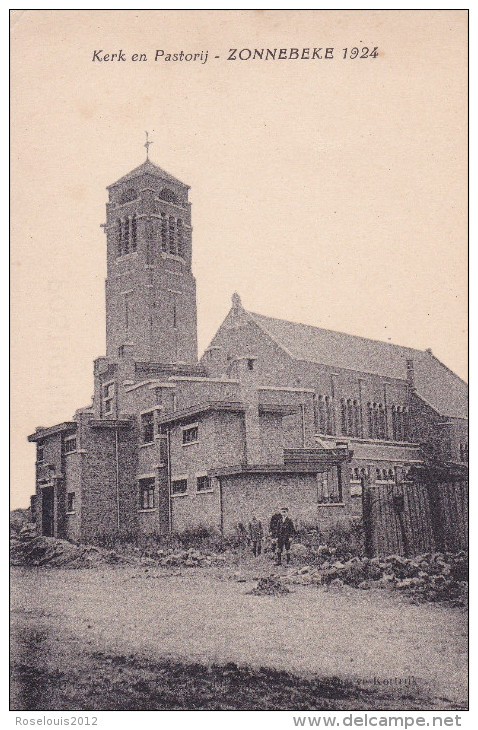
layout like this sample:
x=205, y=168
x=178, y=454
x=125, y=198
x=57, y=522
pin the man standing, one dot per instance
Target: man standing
x=285, y=530
x=256, y=534
x=276, y=519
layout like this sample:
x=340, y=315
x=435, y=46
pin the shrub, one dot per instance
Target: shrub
x=344, y=541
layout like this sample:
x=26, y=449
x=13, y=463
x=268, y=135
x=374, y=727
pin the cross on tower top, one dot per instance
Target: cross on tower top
x=147, y=144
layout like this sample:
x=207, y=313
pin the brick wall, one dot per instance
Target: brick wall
x=72, y=470
x=99, y=497
x=261, y=495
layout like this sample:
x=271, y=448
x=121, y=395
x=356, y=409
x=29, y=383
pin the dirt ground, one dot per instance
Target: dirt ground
x=149, y=638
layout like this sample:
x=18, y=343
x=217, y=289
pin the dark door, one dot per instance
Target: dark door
x=47, y=511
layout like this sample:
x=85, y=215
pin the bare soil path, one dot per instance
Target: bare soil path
x=68, y=619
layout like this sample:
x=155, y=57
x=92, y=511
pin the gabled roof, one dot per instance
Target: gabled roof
x=438, y=386
x=148, y=167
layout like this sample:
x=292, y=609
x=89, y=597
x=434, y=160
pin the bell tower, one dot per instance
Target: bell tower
x=150, y=289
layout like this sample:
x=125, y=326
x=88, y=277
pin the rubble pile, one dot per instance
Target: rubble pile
x=26, y=548
x=270, y=586
x=427, y=577
x=190, y=558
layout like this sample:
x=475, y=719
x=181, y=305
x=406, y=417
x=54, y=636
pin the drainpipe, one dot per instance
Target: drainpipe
x=170, y=505
x=302, y=415
x=316, y=413
x=221, y=506
x=117, y=480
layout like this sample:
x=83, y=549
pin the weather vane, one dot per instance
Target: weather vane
x=147, y=144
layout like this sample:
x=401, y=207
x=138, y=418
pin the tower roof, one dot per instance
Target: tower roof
x=149, y=168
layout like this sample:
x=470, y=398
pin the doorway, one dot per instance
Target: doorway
x=47, y=512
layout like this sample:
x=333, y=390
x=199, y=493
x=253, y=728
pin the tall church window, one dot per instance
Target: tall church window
x=370, y=419
x=406, y=434
x=133, y=233
x=119, y=237
x=350, y=419
x=180, y=237
x=376, y=421
x=394, y=423
x=125, y=235
x=172, y=236
x=321, y=414
x=356, y=409
x=329, y=427
x=400, y=423
x=399, y=426
x=381, y=422
x=164, y=232
x=343, y=416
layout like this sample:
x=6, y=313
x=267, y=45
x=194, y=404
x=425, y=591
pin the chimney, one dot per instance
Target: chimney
x=214, y=360
x=245, y=369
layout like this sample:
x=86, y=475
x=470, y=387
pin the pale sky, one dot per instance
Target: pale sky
x=331, y=192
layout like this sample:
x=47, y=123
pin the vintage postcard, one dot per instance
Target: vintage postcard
x=239, y=363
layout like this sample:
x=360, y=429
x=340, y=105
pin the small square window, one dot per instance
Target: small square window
x=69, y=445
x=179, y=486
x=70, y=502
x=146, y=493
x=190, y=435
x=203, y=484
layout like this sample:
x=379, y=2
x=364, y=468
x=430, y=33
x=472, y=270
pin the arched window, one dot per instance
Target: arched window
x=168, y=195
x=125, y=235
x=128, y=196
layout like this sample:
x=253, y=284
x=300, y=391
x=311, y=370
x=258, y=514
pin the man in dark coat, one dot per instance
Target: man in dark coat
x=276, y=519
x=285, y=530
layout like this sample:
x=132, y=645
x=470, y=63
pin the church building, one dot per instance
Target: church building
x=273, y=414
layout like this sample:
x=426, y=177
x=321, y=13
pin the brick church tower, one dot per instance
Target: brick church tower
x=150, y=289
